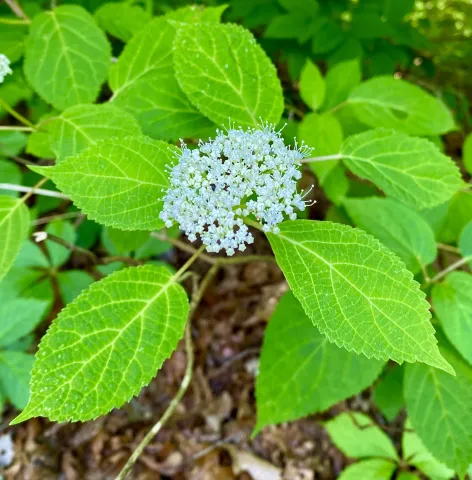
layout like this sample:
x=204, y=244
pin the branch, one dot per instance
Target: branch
x=17, y=10
x=323, y=158
x=451, y=268
x=33, y=190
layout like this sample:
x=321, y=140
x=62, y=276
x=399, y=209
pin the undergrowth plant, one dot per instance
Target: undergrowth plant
x=358, y=313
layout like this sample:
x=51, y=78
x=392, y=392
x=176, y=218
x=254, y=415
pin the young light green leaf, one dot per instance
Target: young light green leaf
x=81, y=126
x=67, y=56
x=415, y=453
x=467, y=153
x=410, y=169
x=452, y=302
x=15, y=371
x=360, y=439
x=118, y=182
x=340, y=80
x=197, y=13
x=19, y=316
x=388, y=393
x=143, y=83
x=121, y=20
x=312, y=85
x=300, y=369
x=357, y=292
x=227, y=75
x=71, y=284
x=391, y=103
x=325, y=135
x=14, y=224
x=399, y=228
x=440, y=409
x=107, y=344
x=374, y=469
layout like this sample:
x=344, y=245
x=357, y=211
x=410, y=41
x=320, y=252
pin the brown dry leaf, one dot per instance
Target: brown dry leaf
x=258, y=468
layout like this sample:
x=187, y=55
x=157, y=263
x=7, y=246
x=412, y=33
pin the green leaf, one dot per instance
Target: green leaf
x=82, y=126
x=440, y=409
x=227, y=75
x=19, y=316
x=12, y=143
x=391, y=103
x=197, y=13
x=12, y=41
x=336, y=185
x=67, y=56
x=14, y=225
x=143, y=83
x=118, y=182
x=72, y=283
x=120, y=242
x=407, y=476
x=340, y=80
x=324, y=134
x=59, y=254
x=357, y=292
x=467, y=153
x=10, y=172
x=465, y=241
x=375, y=469
x=416, y=454
x=399, y=228
x=410, y=169
x=299, y=369
x=388, y=393
x=107, y=344
x=15, y=371
x=452, y=302
x=395, y=10
x=459, y=214
x=312, y=85
x=327, y=37
x=121, y=20
x=357, y=436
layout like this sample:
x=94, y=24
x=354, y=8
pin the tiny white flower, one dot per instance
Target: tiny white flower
x=239, y=173
x=4, y=67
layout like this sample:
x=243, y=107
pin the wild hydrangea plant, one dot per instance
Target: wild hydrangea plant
x=358, y=294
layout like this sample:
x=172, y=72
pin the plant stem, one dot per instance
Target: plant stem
x=451, y=268
x=7, y=128
x=14, y=21
x=59, y=216
x=196, y=298
x=32, y=190
x=187, y=264
x=448, y=248
x=72, y=247
x=17, y=10
x=323, y=158
x=338, y=106
x=18, y=116
x=35, y=190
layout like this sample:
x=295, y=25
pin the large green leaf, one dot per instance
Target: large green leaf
x=373, y=469
x=84, y=125
x=388, y=393
x=465, y=242
x=67, y=56
x=300, y=369
x=357, y=436
x=387, y=102
x=227, y=75
x=118, y=182
x=410, y=169
x=107, y=344
x=357, y=292
x=144, y=83
x=14, y=224
x=459, y=214
x=440, y=409
x=452, y=302
x=15, y=370
x=340, y=80
x=399, y=228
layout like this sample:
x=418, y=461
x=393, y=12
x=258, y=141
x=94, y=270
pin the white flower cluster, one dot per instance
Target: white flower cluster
x=239, y=173
x=4, y=67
